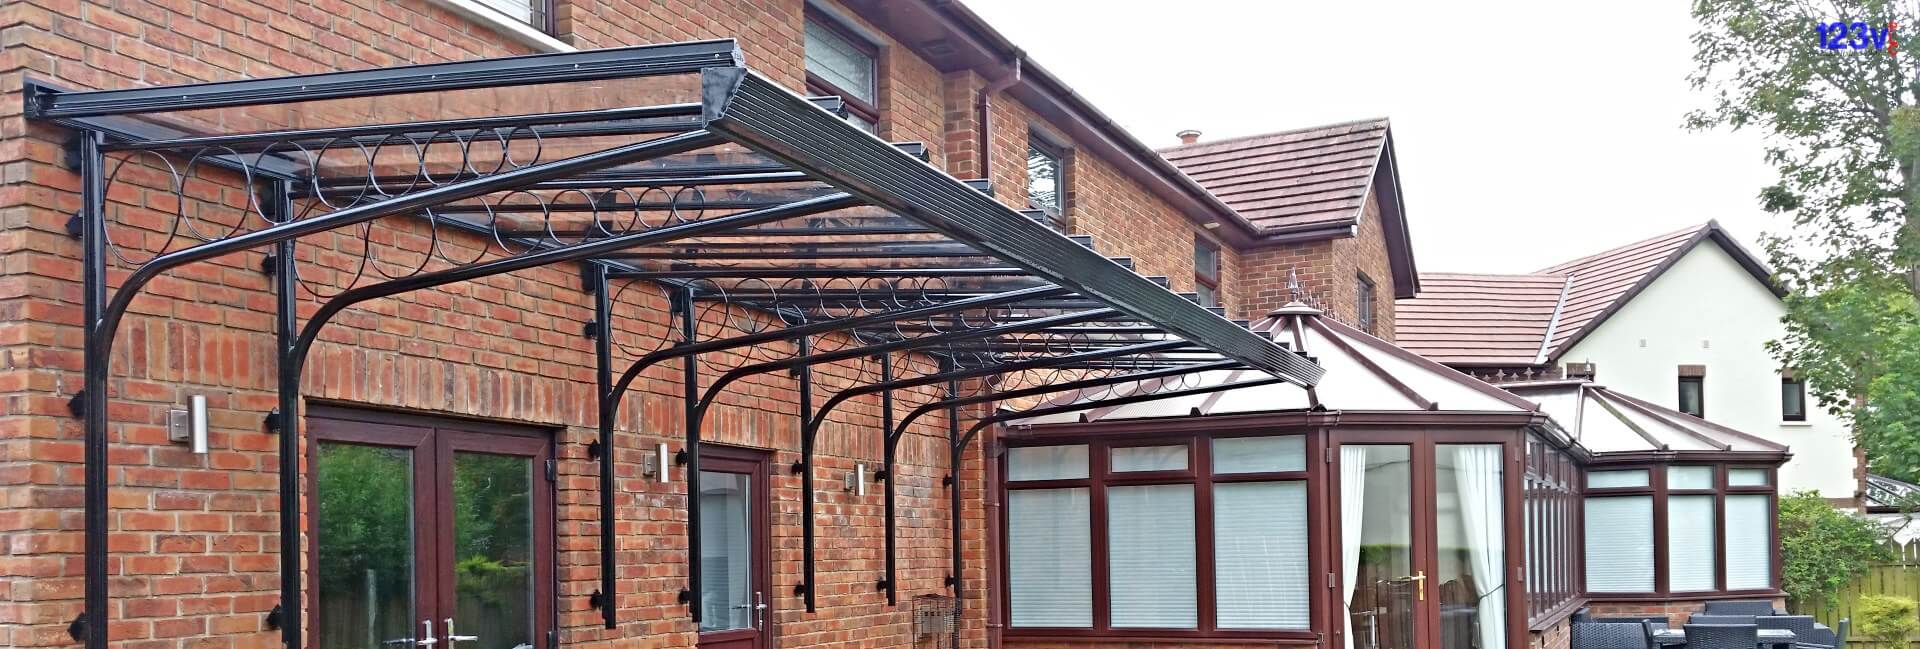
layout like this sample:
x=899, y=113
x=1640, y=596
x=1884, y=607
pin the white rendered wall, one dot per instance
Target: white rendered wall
x=1707, y=310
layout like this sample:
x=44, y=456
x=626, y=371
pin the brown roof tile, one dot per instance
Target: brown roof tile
x=1462, y=319
x=1302, y=177
x=1525, y=320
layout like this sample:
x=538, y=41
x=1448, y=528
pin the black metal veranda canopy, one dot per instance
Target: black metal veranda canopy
x=779, y=237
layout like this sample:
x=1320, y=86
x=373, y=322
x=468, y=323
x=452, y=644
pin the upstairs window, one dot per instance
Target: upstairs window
x=1793, y=399
x=1693, y=393
x=843, y=64
x=1046, y=179
x=1206, y=271
x=1365, y=305
x=537, y=14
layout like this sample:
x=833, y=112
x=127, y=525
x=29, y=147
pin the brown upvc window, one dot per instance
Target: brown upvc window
x=1685, y=529
x=842, y=63
x=1366, y=304
x=1181, y=537
x=1206, y=271
x=1552, y=502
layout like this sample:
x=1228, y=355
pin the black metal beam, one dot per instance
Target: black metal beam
x=603, y=382
x=97, y=354
x=586, y=65
x=755, y=111
x=288, y=421
x=1119, y=401
x=435, y=130
x=690, y=404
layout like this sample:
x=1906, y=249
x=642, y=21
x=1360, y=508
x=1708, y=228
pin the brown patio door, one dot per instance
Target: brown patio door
x=428, y=534
x=735, y=568
x=1422, y=541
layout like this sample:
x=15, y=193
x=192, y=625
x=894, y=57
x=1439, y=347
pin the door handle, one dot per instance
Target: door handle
x=429, y=640
x=451, y=638
x=1420, y=589
x=759, y=611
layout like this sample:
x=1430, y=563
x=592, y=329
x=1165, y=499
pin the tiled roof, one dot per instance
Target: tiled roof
x=1482, y=320
x=1299, y=178
x=1526, y=320
x=1603, y=279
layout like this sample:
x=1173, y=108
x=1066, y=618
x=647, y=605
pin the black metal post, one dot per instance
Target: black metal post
x=286, y=329
x=955, y=458
x=886, y=467
x=805, y=469
x=603, y=381
x=690, y=374
x=99, y=347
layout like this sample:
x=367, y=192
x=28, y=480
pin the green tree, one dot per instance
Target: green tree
x=1842, y=131
x=1823, y=549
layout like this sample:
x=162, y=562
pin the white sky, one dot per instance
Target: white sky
x=1528, y=132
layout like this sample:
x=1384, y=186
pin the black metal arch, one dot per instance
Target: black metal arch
x=750, y=197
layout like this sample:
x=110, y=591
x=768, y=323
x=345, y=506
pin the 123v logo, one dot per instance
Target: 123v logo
x=1859, y=36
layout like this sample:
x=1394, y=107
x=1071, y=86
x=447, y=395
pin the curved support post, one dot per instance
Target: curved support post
x=690, y=374
x=123, y=298
x=639, y=366
x=92, y=624
x=955, y=454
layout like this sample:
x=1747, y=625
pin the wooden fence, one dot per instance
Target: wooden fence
x=1899, y=578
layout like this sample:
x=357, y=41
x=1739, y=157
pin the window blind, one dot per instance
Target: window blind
x=1150, y=557
x=1049, y=550
x=1749, y=542
x=1690, y=539
x=1612, y=479
x=1260, y=454
x=1746, y=477
x=1047, y=463
x=1619, y=542
x=1260, y=555
x=1689, y=477
x=1149, y=458
x=519, y=10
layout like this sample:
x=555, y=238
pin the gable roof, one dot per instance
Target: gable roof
x=1291, y=179
x=1491, y=320
x=1610, y=423
x=1309, y=183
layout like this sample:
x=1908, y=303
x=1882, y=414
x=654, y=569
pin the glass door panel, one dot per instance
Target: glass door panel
x=726, y=552
x=493, y=545
x=1383, y=586
x=1470, y=529
x=366, y=553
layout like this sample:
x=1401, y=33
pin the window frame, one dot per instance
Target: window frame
x=818, y=85
x=1199, y=473
x=1799, y=387
x=1657, y=488
x=1211, y=279
x=1699, y=381
x=1553, y=532
x=1366, y=304
x=1037, y=141
x=542, y=15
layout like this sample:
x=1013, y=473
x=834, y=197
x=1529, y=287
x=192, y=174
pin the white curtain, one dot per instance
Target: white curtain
x=1353, y=498
x=1476, y=471
x=1477, y=479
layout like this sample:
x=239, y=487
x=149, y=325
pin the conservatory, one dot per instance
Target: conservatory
x=1394, y=504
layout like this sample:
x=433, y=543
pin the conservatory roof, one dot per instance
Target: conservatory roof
x=1610, y=423
x=1363, y=374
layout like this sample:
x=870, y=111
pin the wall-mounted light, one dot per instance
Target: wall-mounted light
x=189, y=425
x=857, y=480
x=657, y=464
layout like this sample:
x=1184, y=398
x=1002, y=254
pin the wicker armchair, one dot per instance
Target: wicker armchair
x=1703, y=618
x=1658, y=621
x=1722, y=636
x=1609, y=635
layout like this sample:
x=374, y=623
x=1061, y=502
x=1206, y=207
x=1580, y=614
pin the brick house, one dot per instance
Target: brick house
x=452, y=459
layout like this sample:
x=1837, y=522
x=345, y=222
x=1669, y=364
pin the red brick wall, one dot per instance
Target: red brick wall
x=1327, y=270
x=195, y=538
